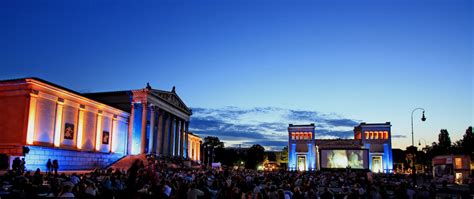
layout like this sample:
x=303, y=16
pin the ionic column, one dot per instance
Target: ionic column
x=196, y=151
x=159, y=137
x=186, y=128
x=130, y=129
x=144, y=119
x=166, y=133
x=151, y=139
x=172, y=135
x=190, y=149
x=182, y=138
x=199, y=152
x=177, y=138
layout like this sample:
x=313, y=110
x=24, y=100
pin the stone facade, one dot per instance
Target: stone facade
x=86, y=131
x=159, y=120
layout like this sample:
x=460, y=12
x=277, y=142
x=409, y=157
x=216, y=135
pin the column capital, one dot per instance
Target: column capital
x=154, y=108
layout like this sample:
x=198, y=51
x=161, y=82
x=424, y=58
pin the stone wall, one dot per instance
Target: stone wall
x=68, y=159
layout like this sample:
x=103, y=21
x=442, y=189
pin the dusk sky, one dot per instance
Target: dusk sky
x=249, y=68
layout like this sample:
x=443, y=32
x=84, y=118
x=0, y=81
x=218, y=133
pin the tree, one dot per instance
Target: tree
x=284, y=154
x=213, y=149
x=255, y=156
x=443, y=147
x=211, y=141
x=465, y=145
x=468, y=140
x=444, y=140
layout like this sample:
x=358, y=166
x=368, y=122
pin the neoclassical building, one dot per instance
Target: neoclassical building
x=159, y=119
x=371, y=149
x=41, y=120
x=194, y=147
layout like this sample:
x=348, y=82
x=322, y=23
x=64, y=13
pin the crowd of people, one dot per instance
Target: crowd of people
x=163, y=177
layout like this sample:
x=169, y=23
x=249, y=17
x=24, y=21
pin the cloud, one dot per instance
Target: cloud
x=399, y=136
x=266, y=126
x=303, y=115
x=342, y=122
x=231, y=134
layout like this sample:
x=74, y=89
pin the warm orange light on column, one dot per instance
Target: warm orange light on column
x=199, y=151
x=195, y=151
x=59, y=122
x=80, y=128
x=97, y=132
x=30, y=133
x=112, y=135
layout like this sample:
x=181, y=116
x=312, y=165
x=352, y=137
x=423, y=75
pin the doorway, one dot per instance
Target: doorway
x=301, y=163
x=377, y=164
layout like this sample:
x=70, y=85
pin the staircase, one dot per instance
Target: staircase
x=126, y=162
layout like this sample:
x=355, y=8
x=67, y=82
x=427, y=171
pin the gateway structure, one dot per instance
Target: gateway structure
x=41, y=120
x=371, y=149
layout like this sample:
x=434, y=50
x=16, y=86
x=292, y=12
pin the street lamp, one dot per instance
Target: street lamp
x=423, y=118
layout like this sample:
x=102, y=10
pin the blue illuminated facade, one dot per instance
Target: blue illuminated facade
x=303, y=148
x=159, y=121
x=68, y=159
x=377, y=138
x=136, y=128
x=302, y=155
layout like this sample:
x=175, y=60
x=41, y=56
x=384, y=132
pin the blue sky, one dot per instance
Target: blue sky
x=368, y=60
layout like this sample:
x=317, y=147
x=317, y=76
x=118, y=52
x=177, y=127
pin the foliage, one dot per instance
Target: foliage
x=467, y=142
x=255, y=156
x=213, y=147
x=213, y=142
x=284, y=154
x=444, y=146
x=444, y=140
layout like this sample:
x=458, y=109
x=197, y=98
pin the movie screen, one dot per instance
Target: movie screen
x=342, y=158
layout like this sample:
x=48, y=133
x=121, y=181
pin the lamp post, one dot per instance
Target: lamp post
x=423, y=118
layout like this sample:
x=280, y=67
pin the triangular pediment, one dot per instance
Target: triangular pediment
x=172, y=98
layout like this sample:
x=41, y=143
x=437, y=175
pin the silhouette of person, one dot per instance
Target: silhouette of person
x=55, y=167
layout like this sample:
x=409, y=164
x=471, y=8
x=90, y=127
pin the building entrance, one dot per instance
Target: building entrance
x=301, y=163
x=377, y=164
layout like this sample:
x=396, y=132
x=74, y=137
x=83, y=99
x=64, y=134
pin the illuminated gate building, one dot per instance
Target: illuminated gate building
x=371, y=149
x=40, y=120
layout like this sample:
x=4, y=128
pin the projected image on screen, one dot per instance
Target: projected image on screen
x=341, y=158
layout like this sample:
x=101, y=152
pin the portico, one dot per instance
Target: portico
x=159, y=120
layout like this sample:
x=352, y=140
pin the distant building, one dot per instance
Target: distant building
x=41, y=120
x=301, y=148
x=194, y=147
x=377, y=137
x=452, y=168
x=370, y=149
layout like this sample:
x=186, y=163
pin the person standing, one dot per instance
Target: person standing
x=22, y=165
x=55, y=167
x=16, y=165
x=49, y=166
